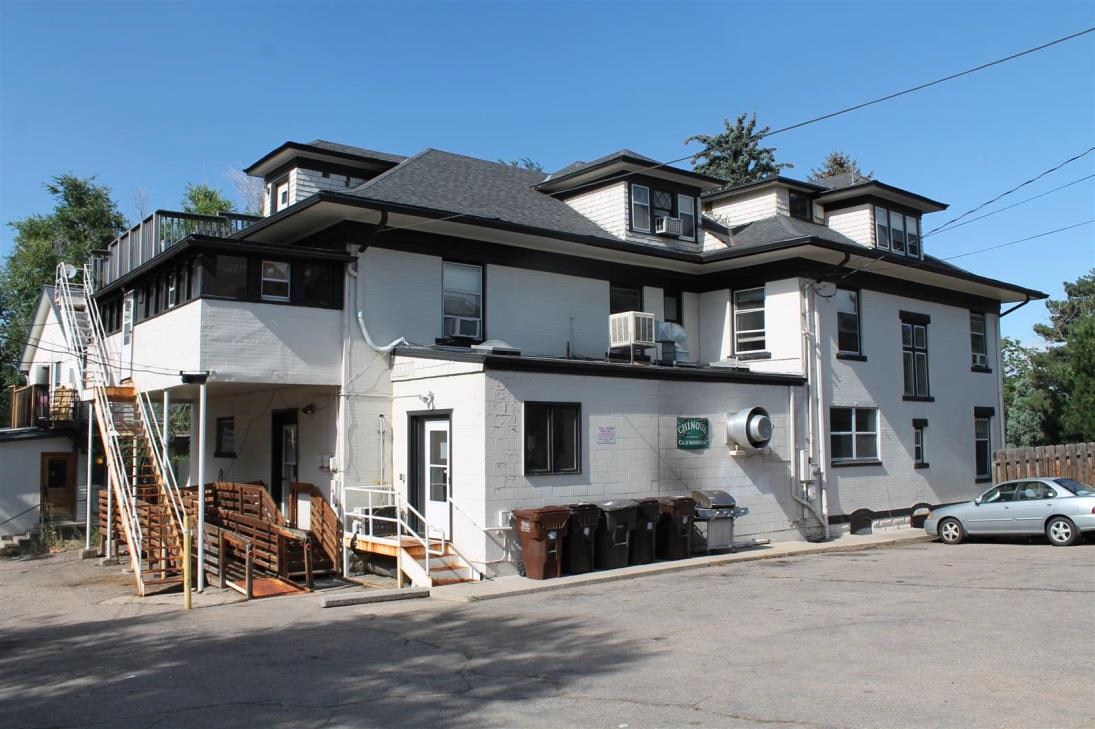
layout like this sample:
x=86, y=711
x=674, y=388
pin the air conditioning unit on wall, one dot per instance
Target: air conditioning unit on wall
x=668, y=226
x=631, y=329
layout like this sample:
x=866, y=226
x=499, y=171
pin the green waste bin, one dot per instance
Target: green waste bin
x=541, y=532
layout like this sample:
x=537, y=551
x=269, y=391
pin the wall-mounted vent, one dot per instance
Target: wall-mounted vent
x=668, y=226
x=631, y=329
x=749, y=428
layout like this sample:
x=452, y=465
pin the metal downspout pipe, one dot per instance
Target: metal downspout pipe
x=349, y=299
x=811, y=366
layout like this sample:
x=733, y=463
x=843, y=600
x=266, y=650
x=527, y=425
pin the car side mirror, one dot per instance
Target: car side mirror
x=977, y=501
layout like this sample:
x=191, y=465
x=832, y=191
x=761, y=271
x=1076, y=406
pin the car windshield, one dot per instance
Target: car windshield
x=1080, y=489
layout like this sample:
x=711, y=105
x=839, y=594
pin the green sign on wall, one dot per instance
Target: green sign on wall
x=693, y=433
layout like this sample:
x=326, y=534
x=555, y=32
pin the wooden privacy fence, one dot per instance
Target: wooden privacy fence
x=1075, y=460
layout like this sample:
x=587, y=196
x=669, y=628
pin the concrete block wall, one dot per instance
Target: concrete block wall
x=856, y=222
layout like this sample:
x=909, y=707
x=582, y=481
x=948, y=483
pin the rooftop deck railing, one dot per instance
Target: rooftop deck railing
x=157, y=233
x=34, y=406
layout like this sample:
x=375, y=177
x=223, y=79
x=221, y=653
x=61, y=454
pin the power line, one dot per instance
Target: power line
x=929, y=83
x=1009, y=207
x=807, y=122
x=39, y=344
x=1086, y=152
x=1021, y=240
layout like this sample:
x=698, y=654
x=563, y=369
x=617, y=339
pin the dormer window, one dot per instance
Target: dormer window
x=800, y=206
x=663, y=212
x=897, y=232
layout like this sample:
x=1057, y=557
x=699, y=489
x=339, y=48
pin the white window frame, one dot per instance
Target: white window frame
x=987, y=445
x=979, y=359
x=881, y=220
x=749, y=335
x=691, y=213
x=287, y=281
x=445, y=317
x=172, y=290
x=855, y=433
x=913, y=224
x=636, y=204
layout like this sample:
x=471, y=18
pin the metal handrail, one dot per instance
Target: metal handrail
x=401, y=521
x=167, y=476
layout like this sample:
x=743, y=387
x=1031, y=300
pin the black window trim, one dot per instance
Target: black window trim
x=219, y=451
x=856, y=355
x=763, y=352
x=675, y=194
x=974, y=367
x=552, y=406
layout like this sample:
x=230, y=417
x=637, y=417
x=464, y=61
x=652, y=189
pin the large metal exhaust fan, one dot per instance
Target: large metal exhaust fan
x=749, y=428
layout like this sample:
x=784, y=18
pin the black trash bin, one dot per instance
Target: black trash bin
x=581, y=539
x=614, y=533
x=643, y=533
x=674, y=537
x=541, y=533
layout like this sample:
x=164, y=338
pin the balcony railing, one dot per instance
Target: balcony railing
x=34, y=406
x=158, y=232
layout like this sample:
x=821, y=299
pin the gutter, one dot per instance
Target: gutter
x=1020, y=305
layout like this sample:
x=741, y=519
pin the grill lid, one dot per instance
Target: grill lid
x=713, y=499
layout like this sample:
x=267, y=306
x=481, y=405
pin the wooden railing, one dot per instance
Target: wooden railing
x=323, y=522
x=32, y=406
x=1075, y=461
x=161, y=230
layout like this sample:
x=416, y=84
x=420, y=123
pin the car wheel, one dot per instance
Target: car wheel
x=951, y=531
x=1061, y=532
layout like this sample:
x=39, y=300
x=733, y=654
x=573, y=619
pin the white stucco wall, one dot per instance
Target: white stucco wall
x=166, y=344
x=948, y=439
x=253, y=418
x=20, y=486
x=782, y=328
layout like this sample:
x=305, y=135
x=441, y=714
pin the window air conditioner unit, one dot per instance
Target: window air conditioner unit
x=668, y=226
x=631, y=329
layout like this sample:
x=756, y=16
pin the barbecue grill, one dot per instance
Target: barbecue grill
x=716, y=511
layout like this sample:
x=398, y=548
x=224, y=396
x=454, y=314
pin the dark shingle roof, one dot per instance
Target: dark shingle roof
x=576, y=166
x=454, y=183
x=781, y=228
x=356, y=151
x=846, y=179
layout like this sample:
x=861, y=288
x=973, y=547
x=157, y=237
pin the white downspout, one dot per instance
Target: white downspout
x=202, y=400
x=819, y=413
x=369, y=340
x=87, y=483
x=812, y=368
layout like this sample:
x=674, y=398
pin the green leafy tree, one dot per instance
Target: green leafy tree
x=84, y=218
x=837, y=163
x=205, y=200
x=735, y=154
x=525, y=163
x=1026, y=406
x=1065, y=371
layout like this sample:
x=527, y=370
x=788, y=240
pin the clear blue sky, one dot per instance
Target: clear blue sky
x=155, y=95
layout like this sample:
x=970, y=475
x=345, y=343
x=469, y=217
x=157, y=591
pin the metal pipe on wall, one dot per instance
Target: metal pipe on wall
x=201, y=485
x=87, y=482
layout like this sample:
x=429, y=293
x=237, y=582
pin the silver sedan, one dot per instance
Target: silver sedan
x=1060, y=508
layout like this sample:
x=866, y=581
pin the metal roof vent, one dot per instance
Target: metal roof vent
x=496, y=346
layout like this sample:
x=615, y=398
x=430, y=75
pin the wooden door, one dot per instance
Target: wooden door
x=58, y=486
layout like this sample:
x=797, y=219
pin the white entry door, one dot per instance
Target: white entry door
x=129, y=319
x=436, y=470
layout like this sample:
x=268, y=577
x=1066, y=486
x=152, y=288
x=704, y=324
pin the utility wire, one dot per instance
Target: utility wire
x=38, y=344
x=1086, y=152
x=1021, y=240
x=1009, y=207
x=807, y=122
x=968, y=71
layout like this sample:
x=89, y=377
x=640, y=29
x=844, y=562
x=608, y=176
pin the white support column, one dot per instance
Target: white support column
x=87, y=482
x=166, y=433
x=201, y=486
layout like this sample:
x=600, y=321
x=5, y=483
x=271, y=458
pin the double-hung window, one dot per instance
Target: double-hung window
x=275, y=281
x=982, y=443
x=920, y=459
x=800, y=206
x=686, y=209
x=553, y=438
x=978, y=341
x=749, y=320
x=853, y=434
x=640, y=208
x=914, y=353
x=897, y=232
x=463, y=295
x=847, y=322
x=172, y=290
x=622, y=297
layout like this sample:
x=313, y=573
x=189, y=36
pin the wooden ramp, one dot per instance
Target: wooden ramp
x=266, y=587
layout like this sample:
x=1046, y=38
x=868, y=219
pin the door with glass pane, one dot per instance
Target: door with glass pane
x=435, y=469
x=129, y=314
x=285, y=452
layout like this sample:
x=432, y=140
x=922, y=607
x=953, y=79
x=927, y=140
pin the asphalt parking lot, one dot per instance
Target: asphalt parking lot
x=921, y=635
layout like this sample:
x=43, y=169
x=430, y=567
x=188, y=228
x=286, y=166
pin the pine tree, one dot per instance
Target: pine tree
x=735, y=154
